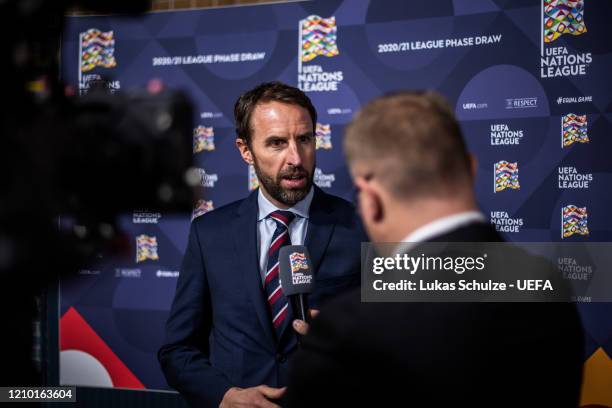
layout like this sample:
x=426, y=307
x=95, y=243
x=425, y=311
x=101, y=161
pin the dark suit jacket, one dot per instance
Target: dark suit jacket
x=219, y=333
x=440, y=354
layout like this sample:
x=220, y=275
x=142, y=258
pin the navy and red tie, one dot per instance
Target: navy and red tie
x=277, y=301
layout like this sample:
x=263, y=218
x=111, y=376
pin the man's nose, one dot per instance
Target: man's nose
x=294, y=154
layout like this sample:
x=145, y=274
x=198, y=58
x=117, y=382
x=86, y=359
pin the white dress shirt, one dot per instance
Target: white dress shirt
x=266, y=226
x=439, y=227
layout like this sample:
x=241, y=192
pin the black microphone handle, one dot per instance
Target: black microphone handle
x=299, y=305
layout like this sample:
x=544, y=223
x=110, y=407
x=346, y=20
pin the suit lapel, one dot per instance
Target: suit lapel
x=244, y=228
x=321, y=224
x=320, y=227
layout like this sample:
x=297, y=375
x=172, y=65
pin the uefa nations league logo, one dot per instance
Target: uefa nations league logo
x=300, y=270
x=203, y=139
x=298, y=261
x=96, y=49
x=563, y=17
x=573, y=129
x=574, y=221
x=506, y=176
x=323, y=136
x=146, y=248
x=317, y=38
x=560, y=18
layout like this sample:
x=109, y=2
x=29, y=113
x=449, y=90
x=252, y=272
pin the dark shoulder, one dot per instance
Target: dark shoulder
x=337, y=320
x=345, y=313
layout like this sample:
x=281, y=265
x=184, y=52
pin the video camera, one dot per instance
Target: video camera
x=88, y=157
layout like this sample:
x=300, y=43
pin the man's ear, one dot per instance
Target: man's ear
x=473, y=166
x=370, y=203
x=244, y=150
x=377, y=207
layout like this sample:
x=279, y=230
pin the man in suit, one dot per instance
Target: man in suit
x=414, y=178
x=229, y=335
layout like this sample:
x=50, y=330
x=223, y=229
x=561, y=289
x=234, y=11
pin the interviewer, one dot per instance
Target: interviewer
x=414, y=175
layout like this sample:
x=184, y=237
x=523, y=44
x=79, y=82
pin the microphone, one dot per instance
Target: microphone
x=296, y=278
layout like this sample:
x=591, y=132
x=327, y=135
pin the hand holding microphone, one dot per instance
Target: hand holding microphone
x=301, y=326
x=297, y=280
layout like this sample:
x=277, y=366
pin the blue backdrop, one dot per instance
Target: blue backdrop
x=529, y=80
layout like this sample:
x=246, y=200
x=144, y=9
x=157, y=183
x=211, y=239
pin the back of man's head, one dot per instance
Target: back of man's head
x=412, y=143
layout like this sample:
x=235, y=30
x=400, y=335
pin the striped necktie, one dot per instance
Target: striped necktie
x=279, y=307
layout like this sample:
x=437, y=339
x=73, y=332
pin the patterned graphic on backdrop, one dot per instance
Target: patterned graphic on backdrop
x=505, y=176
x=318, y=37
x=483, y=55
x=146, y=248
x=97, y=49
x=201, y=208
x=203, y=139
x=573, y=129
x=563, y=17
x=323, y=136
x=253, y=180
x=574, y=221
x=558, y=60
x=87, y=359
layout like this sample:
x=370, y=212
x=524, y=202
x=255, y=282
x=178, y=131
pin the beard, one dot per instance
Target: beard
x=287, y=196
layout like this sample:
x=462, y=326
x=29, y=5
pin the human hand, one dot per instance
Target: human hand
x=254, y=397
x=301, y=326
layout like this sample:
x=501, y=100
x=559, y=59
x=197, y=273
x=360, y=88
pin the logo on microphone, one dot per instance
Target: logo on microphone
x=299, y=262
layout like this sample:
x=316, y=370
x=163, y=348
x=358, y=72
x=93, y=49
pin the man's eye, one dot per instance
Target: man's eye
x=305, y=139
x=277, y=142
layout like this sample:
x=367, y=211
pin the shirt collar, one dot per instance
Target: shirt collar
x=440, y=227
x=301, y=208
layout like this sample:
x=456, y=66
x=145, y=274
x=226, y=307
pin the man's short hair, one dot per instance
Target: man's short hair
x=268, y=92
x=412, y=143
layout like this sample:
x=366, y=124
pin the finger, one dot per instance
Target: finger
x=300, y=326
x=272, y=393
x=313, y=312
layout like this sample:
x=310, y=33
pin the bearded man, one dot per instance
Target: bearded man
x=229, y=334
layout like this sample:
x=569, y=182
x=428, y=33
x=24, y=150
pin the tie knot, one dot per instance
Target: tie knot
x=283, y=218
